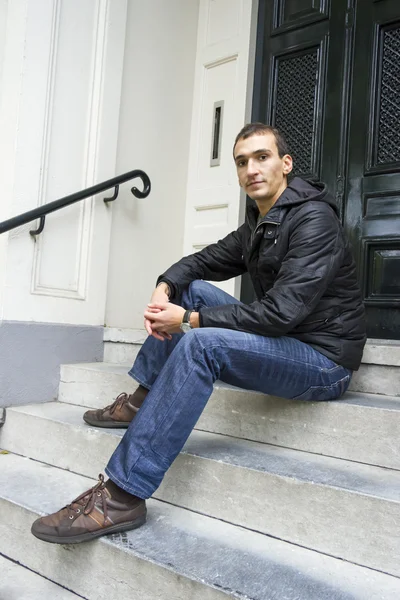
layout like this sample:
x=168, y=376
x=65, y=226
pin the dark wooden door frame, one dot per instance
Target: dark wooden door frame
x=292, y=34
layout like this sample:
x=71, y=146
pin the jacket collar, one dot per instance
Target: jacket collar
x=274, y=215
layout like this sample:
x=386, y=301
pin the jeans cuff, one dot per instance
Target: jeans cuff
x=136, y=378
x=141, y=489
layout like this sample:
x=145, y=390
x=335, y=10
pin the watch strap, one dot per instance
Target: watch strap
x=186, y=316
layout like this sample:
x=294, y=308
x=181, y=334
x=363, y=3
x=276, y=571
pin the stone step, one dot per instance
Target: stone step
x=19, y=583
x=122, y=345
x=376, y=351
x=177, y=554
x=376, y=379
x=370, y=378
x=94, y=384
x=341, y=508
x=359, y=427
x=379, y=373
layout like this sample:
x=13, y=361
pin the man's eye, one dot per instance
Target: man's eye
x=241, y=163
x=263, y=156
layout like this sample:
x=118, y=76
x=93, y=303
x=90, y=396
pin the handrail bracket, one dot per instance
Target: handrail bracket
x=39, y=230
x=114, y=196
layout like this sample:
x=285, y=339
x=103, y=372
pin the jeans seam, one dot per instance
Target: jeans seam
x=166, y=415
x=332, y=368
x=173, y=404
x=325, y=387
x=293, y=360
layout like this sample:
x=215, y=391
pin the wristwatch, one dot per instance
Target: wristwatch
x=185, y=325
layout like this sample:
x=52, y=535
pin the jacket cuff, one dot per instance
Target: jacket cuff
x=207, y=318
x=171, y=286
x=200, y=317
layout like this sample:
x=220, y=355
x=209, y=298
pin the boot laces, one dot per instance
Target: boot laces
x=118, y=402
x=88, y=499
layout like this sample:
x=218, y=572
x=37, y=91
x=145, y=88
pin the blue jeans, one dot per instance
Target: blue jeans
x=180, y=374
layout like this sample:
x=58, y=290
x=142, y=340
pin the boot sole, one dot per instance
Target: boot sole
x=91, y=535
x=107, y=424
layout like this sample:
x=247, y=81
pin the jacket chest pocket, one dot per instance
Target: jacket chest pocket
x=272, y=249
x=268, y=255
x=268, y=266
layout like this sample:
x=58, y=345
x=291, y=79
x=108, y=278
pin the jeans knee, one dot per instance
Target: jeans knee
x=191, y=338
x=197, y=287
x=203, y=338
x=195, y=341
x=195, y=295
x=199, y=345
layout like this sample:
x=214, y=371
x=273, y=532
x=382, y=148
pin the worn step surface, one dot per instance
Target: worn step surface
x=122, y=345
x=345, y=509
x=94, y=384
x=378, y=374
x=360, y=427
x=376, y=351
x=177, y=554
x=376, y=379
x=19, y=583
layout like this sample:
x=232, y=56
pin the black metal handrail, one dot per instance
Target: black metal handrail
x=41, y=211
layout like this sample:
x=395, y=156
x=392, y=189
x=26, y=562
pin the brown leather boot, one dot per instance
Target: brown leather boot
x=93, y=514
x=118, y=414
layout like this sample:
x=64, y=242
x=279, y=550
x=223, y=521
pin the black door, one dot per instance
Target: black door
x=328, y=75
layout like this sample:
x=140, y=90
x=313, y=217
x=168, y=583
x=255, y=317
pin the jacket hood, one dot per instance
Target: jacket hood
x=302, y=190
x=297, y=192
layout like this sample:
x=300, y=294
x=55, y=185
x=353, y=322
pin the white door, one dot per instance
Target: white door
x=223, y=84
x=62, y=70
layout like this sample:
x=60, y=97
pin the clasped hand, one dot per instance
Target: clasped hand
x=161, y=317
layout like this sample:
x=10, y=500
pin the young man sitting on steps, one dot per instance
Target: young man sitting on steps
x=301, y=338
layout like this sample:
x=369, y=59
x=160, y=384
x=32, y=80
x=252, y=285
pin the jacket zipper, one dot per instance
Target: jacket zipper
x=257, y=226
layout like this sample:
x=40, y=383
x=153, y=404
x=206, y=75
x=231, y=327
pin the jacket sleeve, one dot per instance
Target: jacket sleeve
x=216, y=262
x=315, y=253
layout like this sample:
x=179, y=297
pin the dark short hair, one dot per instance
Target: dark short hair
x=260, y=128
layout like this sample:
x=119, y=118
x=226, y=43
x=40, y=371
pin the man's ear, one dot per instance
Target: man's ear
x=287, y=164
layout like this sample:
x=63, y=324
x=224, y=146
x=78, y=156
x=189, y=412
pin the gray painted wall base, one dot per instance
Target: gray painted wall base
x=31, y=355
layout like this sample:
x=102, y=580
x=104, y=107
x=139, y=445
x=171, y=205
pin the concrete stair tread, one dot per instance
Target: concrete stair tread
x=101, y=367
x=249, y=484
x=124, y=335
x=355, y=398
x=219, y=559
x=19, y=583
x=264, y=458
x=376, y=351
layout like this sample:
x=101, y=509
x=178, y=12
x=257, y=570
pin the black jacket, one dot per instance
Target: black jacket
x=302, y=270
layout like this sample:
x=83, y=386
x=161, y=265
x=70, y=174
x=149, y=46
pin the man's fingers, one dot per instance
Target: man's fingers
x=147, y=326
x=158, y=305
x=158, y=336
x=152, y=316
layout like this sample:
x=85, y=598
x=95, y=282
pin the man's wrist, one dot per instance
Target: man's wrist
x=166, y=288
x=194, y=320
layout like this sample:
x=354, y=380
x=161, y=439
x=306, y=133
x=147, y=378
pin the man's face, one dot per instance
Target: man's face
x=262, y=173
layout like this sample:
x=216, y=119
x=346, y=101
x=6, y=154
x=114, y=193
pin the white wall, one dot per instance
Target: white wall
x=154, y=133
x=3, y=19
x=3, y=239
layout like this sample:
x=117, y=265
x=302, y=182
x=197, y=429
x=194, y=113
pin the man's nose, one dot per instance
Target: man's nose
x=252, y=167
